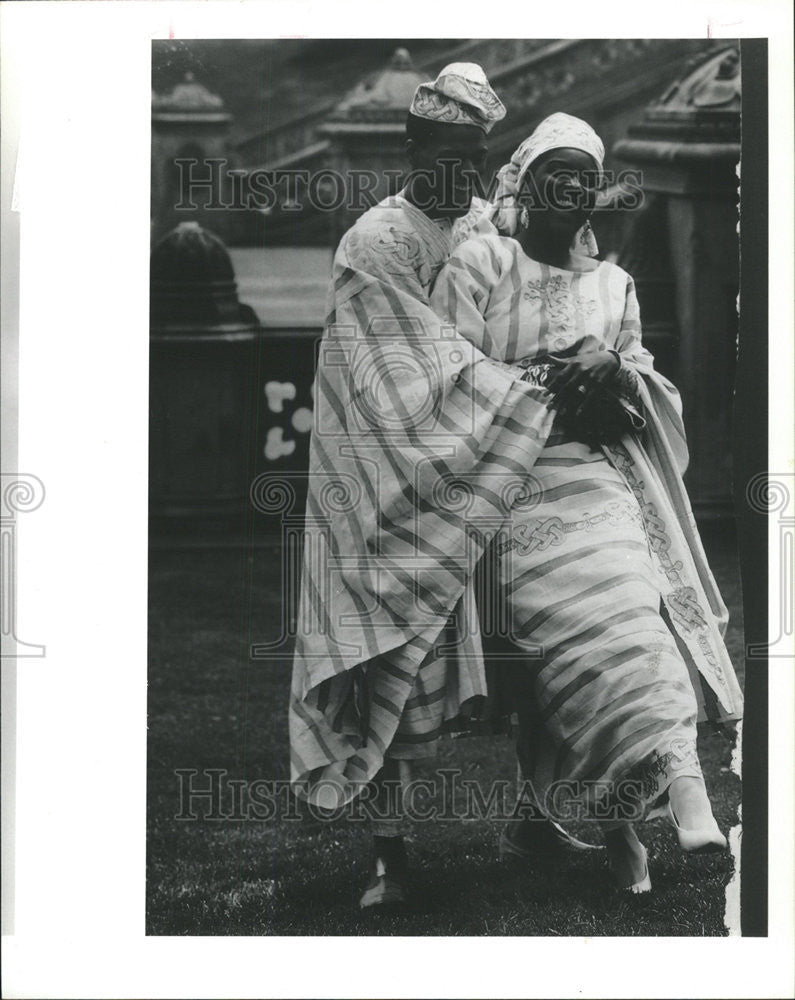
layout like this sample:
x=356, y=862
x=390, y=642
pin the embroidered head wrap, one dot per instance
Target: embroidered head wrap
x=460, y=95
x=555, y=132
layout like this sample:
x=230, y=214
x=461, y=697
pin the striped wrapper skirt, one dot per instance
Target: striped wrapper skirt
x=607, y=707
x=605, y=701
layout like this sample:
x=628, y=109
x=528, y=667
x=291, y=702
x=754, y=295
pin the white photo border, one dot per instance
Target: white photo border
x=78, y=924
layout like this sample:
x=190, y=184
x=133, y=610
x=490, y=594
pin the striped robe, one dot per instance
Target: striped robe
x=420, y=445
x=601, y=573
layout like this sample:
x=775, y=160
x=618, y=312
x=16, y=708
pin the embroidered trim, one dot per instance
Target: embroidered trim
x=397, y=251
x=534, y=535
x=561, y=304
x=648, y=773
x=537, y=375
x=682, y=600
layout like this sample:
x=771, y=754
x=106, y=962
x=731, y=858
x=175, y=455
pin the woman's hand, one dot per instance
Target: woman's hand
x=579, y=375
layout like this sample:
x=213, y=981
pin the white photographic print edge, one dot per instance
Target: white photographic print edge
x=79, y=804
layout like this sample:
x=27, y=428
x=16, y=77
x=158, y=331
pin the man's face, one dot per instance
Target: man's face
x=448, y=165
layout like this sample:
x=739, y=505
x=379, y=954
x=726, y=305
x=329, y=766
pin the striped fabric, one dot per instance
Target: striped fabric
x=611, y=690
x=602, y=539
x=426, y=445
x=420, y=446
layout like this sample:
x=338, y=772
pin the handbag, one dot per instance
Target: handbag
x=605, y=414
x=603, y=417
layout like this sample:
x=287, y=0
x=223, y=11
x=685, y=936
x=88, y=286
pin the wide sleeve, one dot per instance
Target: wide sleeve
x=661, y=401
x=629, y=344
x=663, y=441
x=461, y=294
x=431, y=443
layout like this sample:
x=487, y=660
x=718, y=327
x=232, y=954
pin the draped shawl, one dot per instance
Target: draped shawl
x=420, y=446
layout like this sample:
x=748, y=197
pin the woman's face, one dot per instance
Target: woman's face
x=560, y=187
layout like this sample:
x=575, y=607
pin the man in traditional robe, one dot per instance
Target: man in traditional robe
x=418, y=451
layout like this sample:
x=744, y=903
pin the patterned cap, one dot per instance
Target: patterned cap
x=555, y=132
x=460, y=95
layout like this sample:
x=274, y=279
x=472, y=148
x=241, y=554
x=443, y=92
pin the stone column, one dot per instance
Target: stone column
x=688, y=147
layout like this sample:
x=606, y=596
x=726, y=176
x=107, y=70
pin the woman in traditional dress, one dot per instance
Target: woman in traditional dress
x=601, y=568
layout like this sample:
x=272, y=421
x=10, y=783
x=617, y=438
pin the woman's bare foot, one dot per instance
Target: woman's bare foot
x=690, y=803
x=690, y=814
x=626, y=856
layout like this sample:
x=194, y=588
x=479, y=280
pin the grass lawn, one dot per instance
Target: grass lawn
x=211, y=707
